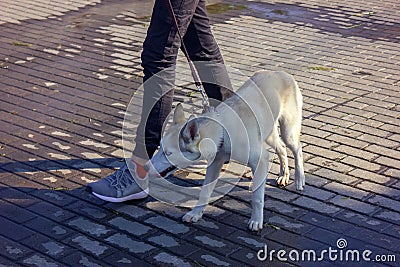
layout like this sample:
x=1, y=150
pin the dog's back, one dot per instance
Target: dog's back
x=285, y=86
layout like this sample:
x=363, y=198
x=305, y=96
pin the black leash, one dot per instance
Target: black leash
x=197, y=81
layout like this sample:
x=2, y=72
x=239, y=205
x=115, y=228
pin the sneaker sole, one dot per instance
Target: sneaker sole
x=140, y=195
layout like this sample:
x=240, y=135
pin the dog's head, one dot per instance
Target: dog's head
x=179, y=146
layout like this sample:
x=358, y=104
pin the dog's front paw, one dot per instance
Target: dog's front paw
x=192, y=216
x=283, y=180
x=255, y=225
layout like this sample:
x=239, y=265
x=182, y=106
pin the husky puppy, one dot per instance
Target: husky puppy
x=239, y=129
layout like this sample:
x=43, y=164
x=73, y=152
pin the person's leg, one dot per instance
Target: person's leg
x=160, y=50
x=204, y=52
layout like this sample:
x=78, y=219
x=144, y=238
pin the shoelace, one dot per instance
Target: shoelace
x=121, y=181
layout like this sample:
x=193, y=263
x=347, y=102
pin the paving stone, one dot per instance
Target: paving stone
x=289, y=239
x=388, y=215
x=130, y=210
x=89, y=245
x=279, y=193
x=319, y=151
x=279, y=221
x=56, y=197
x=134, y=228
x=377, y=188
x=284, y=208
x=379, y=239
x=385, y=202
x=51, y=211
x=125, y=242
x=360, y=163
x=323, y=235
x=336, y=176
x=316, y=180
x=356, y=152
x=13, y=250
x=253, y=240
x=15, y=213
x=393, y=173
x=5, y=262
x=238, y=221
x=386, y=161
x=82, y=194
x=316, y=205
x=312, y=192
x=166, y=209
x=89, y=227
x=123, y=259
x=17, y=181
x=235, y=205
x=362, y=220
x=161, y=258
x=332, y=166
x=377, y=149
x=14, y=231
x=353, y=204
x=168, y=225
x=86, y=209
x=39, y=260
x=81, y=259
x=47, y=246
x=393, y=230
x=48, y=227
x=248, y=256
x=347, y=141
x=378, y=140
x=213, y=227
x=208, y=258
x=366, y=175
x=210, y=242
x=325, y=222
x=17, y=197
x=347, y=190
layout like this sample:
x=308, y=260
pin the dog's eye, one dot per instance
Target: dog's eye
x=168, y=153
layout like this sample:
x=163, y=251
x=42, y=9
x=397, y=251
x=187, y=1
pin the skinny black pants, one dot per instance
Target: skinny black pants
x=160, y=50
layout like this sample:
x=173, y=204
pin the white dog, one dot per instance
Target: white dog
x=238, y=129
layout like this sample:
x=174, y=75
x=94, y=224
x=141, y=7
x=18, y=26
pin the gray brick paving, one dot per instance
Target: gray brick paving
x=61, y=128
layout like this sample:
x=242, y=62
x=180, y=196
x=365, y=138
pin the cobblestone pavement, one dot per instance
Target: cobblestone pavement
x=68, y=70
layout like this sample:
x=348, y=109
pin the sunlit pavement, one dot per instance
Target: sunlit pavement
x=68, y=71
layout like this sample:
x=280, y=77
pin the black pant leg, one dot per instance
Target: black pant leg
x=160, y=50
x=204, y=51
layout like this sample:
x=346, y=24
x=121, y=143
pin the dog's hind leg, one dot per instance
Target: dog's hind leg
x=276, y=143
x=209, y=183
x=290, y=132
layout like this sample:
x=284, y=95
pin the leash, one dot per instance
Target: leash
x=197, y=81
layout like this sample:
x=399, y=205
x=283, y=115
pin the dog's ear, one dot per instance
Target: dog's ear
x=179, y=114
x=191, y=131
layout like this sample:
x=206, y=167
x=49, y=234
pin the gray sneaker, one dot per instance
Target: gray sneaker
x=121, y=186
